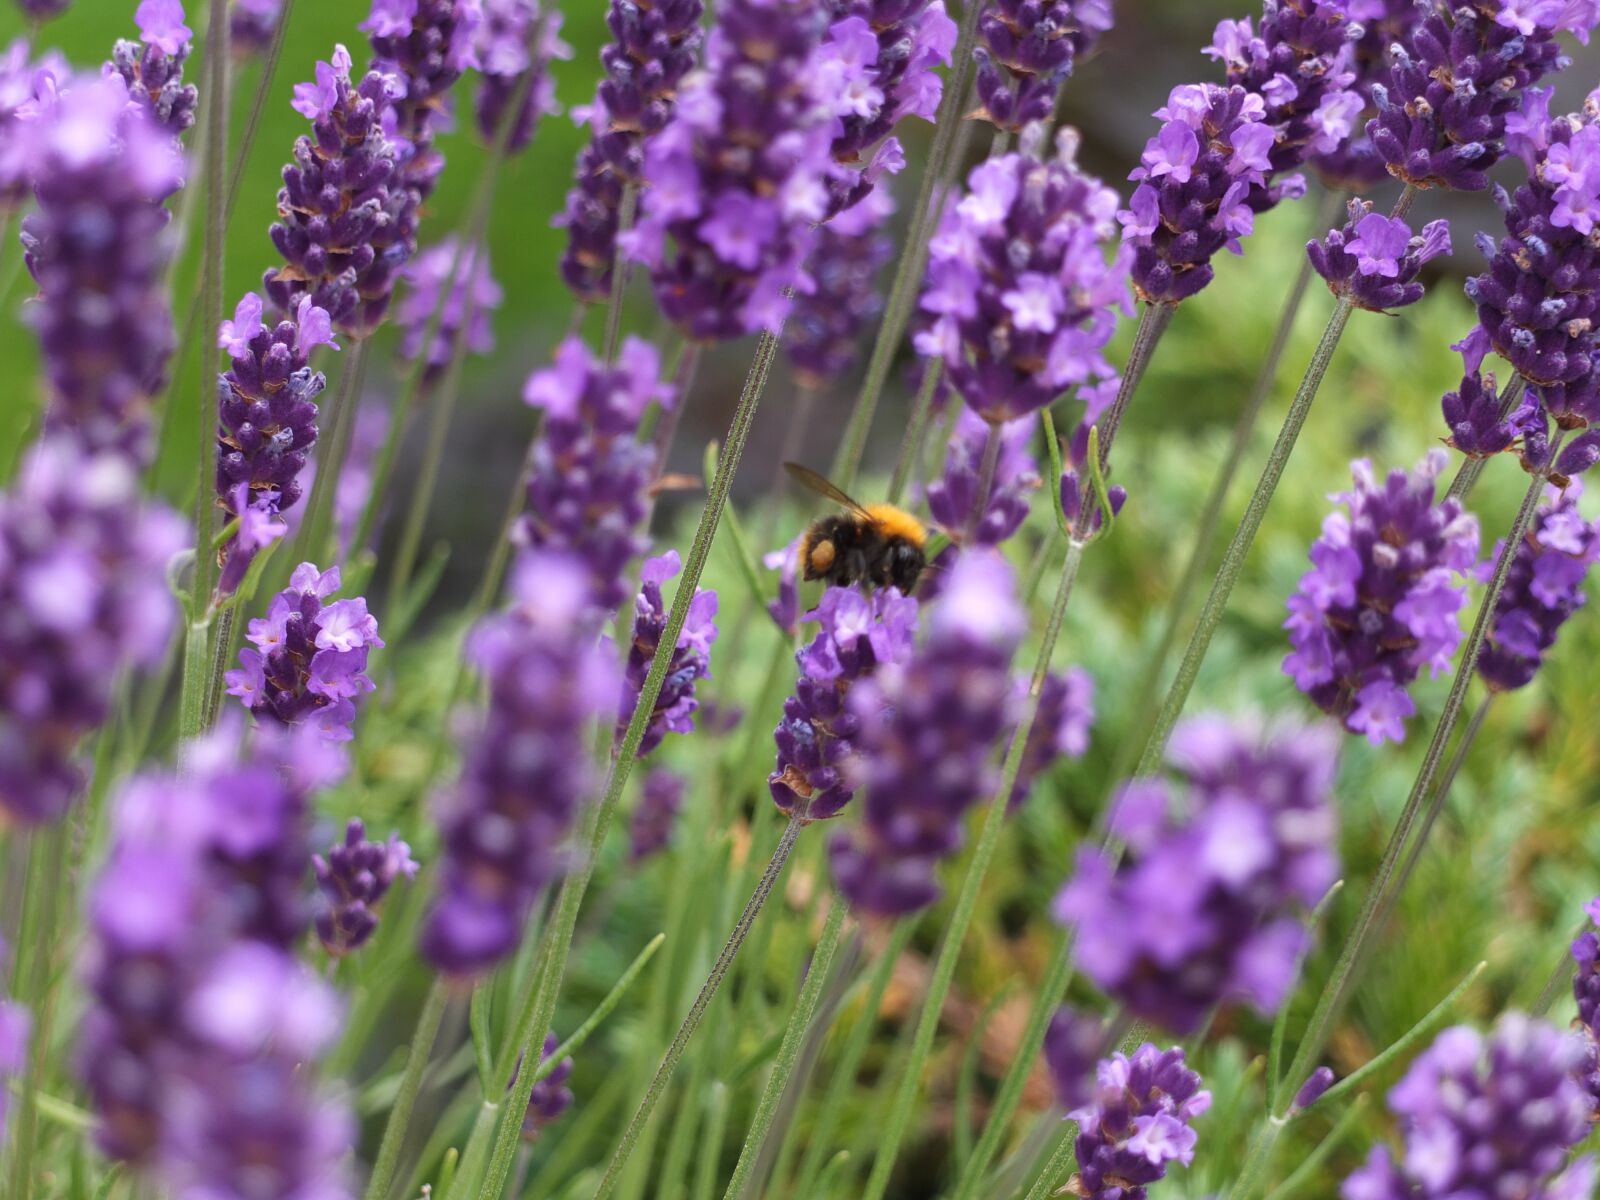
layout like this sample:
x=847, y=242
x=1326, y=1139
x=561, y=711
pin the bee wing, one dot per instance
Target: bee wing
x=808, y=478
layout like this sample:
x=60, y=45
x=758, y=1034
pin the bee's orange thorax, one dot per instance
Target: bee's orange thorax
x=898, y=523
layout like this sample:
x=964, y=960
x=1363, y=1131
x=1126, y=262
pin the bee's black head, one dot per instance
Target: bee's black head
x=905, y=565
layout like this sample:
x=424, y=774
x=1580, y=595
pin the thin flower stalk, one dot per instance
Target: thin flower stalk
x=417, y=1054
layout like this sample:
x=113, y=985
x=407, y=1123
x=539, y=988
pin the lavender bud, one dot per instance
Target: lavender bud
x=1247, y=827
x=660, y=801
x=691, y=657
x=252, y=25
x=508, y=63
x=823, y=334
x=1137, y=1123
x=1312, y=1090
x=1382, y=598
x=1073, y=1044
x=551, y=1097
x=1027, y=49
x=466, y=312
x=1060, y=729
x=354, y=878
x=152, y=68
x=952, y=497
x=1373, y=260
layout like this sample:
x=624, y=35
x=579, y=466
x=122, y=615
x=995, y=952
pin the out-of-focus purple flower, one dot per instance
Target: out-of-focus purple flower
x=1544, y=588
x=1373, y=260
x=1586, y=991
x=23, y=80
x=1382, y=599
x=656, y=43
x=1479, y=1115
x=252, y=24
x=354, y=877
x=474, y=296
x=551, y=1097
x=1022, y=290
x=341, y=227
x=925, y=733
x=739, y=176
x=816, y=738
x=1074, y=1043
x=307, y=661
x=355, y=480
x=1313, y=1089
x=1026, y=49
x=507, y=62
x=1138, y=1122
x=1060, y=729
x=16, y=1028
x=952, y=497
x=785, y=609
x=588, y=476
x=266, y=424
x=96, y=246
x=825, y=328
x=43, y=10
x=1204, y=906
x=691, y=657
x=83, y=564
x=152, y=67
x=526, y=770
x=1355, y=165
x=660, y=801
x=1443, y=116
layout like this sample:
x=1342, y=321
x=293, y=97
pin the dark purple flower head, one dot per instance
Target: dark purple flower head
x=1021, y=291
x=1138, y=1122
x=656, y=43
x=588, y=477
x=1354, y=165
x=655, y=814
x=526, y=770
x=353, y=879
x=1373, y=260
x=1060, y=729
x=952, y=496
x=340, y=228
x=97, y=247
x=1478, y=427
x=1586, y=991
x=1444, y=114
x=474, y=296
x=266, y=424
x=1543, y=589
x=1382, y=599
x=252, y=24
x=817, y=736
x=1074, y=1044
x=507, y=62
x=826, y=326
x=1222, y=858
x=1027, y=48
x=926, y=731
x=1493, y=1116
x=691, y=657
x=152, y=67
x=551, y=1097
x=83, y=564
x=307, y=661
x=738, y=177
x=425, y=45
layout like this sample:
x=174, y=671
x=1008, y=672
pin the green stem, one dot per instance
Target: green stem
x=794, y=1034
x=1467, y=475
x=1345, y=971
x=221, y=646
x=1280, y=1023
x=1244, y=537
x=1066, y=1153
x=1309, y=1171
x=716, y=1128
x=619, y=272
x=394, y=1130
x=338, y=421
x=986, y=469
x=196, y=686
x=916, y=431
x=899, y=1115
x=40, y=917
x=464, y=1185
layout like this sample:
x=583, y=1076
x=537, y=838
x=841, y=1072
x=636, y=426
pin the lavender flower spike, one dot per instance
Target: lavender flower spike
x=508, y=62
x=22, y=80
x=1138, y=1122
x=691, y=657
x=1586, y=991
x=739, y=176
x=551, y=1097
x=655, y=814
x=1382, y=598
x=1479, y=1115
x=1060, y=729
x=353, y=878
x=1021, y=292
x=952, y=497
x=252, y=24
x=1206, y=904
x=471, y=301
x=153, y=66
x=426, y=45
x=1543, y=589
x=1354, y=164
x=1074, y=1043
x=1026, y=50
x=928, y=727
x=1472, y=411
x=1373, y=260
x=823, y=334
x=526, y=770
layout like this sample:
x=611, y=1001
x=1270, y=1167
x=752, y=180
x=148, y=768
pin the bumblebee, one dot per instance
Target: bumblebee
x=876, y=544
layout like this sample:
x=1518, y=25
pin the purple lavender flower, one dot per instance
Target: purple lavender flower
x=551, y=1097
x=1138, y=1122
x=1027, y=48
x=340, y=224
x=473, y=297
x=1060, y=728
x=1355, y=165
x=1586, y=991
x=1485, y=1117
x=354, y=878
x=1022, y=293
x=953, y=495
x=266, y=425
x=656, y=44
x=823, y=334
x=1477, y=427
x=355, y=479
x=426, y=44
x=1443, y=117
x=691, y=657
x=96, y=245
x=308, y=660
x=252, y=25
x=507, y=62
x=526, y=770
x=1543, y=589
x=1373, y=260
x=1382, y=598
x=83, y=565
x=1077, y=497
x=926, y=730
x=738, y=177
x=22, y=82
x=153, y=66
x=1204, y=906
x=817, y=737
x=660, y=801
x=43, y=10
x=1074, y=1043
x=588, y=477
x=1313, y=1089
x=16, y=1028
